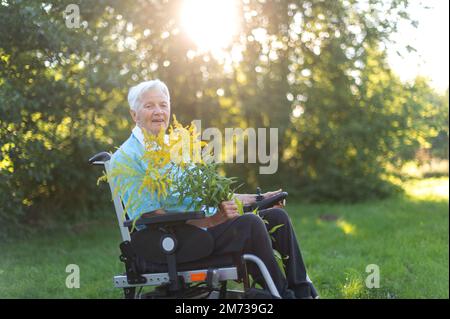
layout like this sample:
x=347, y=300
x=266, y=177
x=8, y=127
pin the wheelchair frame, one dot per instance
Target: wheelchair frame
x=215, y=278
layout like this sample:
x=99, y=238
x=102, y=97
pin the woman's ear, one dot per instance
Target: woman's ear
x=133, y=115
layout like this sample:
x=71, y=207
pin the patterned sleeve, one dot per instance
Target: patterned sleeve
x=126, y=175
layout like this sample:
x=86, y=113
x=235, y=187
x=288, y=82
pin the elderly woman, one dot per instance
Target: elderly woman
x=150, y=109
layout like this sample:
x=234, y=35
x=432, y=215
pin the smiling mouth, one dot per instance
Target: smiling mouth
x=158, y=121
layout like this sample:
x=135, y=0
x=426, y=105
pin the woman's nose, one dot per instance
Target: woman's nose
x=158, y=110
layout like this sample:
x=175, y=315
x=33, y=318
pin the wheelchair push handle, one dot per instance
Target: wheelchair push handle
x=100, y=158
x=263, y=203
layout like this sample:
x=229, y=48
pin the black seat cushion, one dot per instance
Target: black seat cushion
x=193, y=244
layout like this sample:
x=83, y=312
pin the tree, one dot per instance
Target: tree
x=56, y=95
x=316, y=70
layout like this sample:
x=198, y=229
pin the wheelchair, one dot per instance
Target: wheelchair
x=177, y=259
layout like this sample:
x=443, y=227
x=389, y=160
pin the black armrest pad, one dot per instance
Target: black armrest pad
x=168, y=218
x=266, y=203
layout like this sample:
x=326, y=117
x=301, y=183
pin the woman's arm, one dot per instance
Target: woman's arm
x=248, y=199
x=227, y=210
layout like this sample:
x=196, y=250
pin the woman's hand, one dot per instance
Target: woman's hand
x=246, y=199
x=270, y=194
x=228, y=210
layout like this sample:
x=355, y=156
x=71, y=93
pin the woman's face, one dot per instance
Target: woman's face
x=154, y=112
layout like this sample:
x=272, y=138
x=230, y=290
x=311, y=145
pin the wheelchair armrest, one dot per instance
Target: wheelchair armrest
x=171, y=217
x=266, y=203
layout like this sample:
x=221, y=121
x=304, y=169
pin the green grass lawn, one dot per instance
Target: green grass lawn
x=406, y=236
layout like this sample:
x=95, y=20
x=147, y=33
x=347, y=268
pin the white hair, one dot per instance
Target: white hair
x=135, y=93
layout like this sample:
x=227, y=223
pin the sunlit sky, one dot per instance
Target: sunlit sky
x=430, y=39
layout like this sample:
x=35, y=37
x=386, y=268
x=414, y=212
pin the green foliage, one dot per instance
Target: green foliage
x=54, y=98
x=280, y=260
x=63, y=96
x=354, y=116
x=204, y=182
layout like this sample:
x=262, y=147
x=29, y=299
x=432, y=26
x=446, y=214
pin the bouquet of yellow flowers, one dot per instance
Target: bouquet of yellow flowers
x=178, y=165
x=174, y=164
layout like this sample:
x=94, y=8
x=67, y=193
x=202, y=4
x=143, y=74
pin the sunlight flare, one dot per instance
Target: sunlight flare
x=210, y=23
